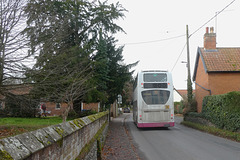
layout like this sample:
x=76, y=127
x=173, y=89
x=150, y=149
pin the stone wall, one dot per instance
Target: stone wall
x=65, y=141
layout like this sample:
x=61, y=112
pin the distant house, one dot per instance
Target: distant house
x=180, y=94
x=15, y=90
x=176, y=96
x=91, y=106
x=217, y=70
x=54, y=109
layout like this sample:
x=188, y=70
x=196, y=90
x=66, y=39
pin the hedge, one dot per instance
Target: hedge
x=223, y=110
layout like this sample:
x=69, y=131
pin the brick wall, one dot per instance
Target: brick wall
x=224, y=82
x=219, y=83
x=64, y=141
x=56, y=111
x=91, y=106
x=201, y=79
x=209, y=39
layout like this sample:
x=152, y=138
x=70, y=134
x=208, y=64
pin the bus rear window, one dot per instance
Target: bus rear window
x=155, y=96
x=155, y=77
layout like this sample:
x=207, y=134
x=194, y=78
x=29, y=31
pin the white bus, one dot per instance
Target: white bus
x=153, y=104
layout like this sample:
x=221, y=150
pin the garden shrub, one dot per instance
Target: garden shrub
x=194, y=114
x=223, y=110
x=177, y=108
x=72, y=114
x=20, y=106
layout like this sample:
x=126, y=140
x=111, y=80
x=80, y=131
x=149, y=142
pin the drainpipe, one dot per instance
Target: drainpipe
x=209, y=90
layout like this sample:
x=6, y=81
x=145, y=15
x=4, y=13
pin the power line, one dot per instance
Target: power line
x=154, y=41
x=179, y=56
x=201, y=28
x=212, y=18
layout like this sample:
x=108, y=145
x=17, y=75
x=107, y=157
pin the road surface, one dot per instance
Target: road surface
x=181, y=143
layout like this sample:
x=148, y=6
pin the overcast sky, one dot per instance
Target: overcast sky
x=157, y=22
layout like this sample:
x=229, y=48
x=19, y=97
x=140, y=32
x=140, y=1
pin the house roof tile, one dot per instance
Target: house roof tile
x=221, y=59
x=183, y=92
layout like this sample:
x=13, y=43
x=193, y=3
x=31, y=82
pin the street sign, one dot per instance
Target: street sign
x=119, y=99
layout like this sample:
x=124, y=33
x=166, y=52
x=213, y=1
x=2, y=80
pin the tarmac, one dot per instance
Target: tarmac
x=119, y=144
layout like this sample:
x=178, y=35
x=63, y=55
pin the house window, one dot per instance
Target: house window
x=58, y=106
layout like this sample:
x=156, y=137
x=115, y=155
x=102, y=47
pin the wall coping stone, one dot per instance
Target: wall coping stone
x=23, y=145
x=15, y=148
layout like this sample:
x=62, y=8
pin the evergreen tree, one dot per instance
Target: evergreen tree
x=111, y=73
x=64, y=34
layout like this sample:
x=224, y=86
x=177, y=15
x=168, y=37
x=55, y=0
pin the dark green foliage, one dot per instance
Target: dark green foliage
x=101, y=68
x=4, y=113
x=223, y=110
x=195, y=114
x=73, y=58
x=190, y=90
x=189, y=95
x=110, y=73
x=86, y=113
x=20, y=106
x=74, y=115
x=188, y=106
x=178, y=108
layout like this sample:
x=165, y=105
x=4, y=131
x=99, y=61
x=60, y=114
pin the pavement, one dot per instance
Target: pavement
x=119, y=144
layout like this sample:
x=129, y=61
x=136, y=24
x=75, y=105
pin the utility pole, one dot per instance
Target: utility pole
x=189, y=82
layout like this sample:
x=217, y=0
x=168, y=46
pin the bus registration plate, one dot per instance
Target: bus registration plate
x=166, y=106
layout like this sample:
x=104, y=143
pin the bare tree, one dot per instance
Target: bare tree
x=13, y=44
x=63, y=79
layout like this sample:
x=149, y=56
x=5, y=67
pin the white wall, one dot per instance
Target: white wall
x=176, y=96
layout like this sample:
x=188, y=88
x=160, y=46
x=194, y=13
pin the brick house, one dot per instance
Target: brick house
x=53, y=109
x=217, y=69
x=183, y=92
x=91, y=106
x=15, y=90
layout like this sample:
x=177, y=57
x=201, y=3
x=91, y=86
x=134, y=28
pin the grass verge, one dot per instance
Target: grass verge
x=14, y=126
x=213, y=130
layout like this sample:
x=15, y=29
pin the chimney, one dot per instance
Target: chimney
x=209, y=39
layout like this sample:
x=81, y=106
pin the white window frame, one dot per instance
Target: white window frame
x=58, y=108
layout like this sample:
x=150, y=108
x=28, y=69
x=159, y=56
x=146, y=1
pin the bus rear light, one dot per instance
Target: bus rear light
x=171, y=115
x=140, y=116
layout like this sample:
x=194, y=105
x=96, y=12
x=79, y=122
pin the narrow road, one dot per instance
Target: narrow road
x=181, y=143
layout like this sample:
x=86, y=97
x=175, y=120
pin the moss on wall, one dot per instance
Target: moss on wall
x=85, y=150
x=5, y=155
x=97, y=116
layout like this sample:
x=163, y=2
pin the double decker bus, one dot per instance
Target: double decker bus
x=153, y=104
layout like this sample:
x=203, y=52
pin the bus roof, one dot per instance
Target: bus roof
x=155, y=71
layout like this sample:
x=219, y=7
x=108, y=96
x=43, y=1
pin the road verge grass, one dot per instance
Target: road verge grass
x=13, y=126
x=213, y=130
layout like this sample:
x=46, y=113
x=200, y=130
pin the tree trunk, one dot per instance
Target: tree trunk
x=65, y=113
